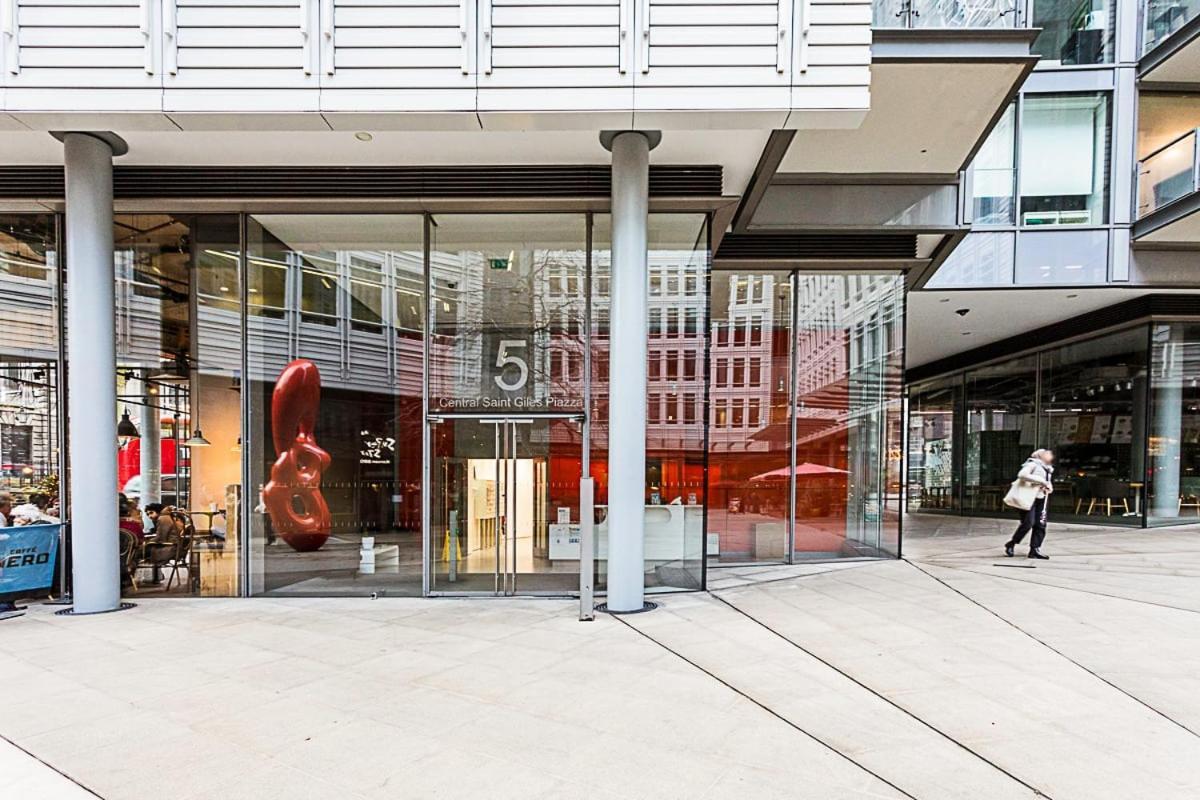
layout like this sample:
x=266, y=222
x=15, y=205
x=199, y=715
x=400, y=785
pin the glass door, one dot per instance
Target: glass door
x=504, y=514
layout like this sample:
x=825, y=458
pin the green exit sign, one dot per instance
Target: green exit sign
x=498, y=263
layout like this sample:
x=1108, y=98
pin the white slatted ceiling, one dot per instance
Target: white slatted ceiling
x=714, y=42
x=84, y=43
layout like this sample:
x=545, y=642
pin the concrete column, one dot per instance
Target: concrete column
x=150, y=447
x=91, y=372
x=627, y=373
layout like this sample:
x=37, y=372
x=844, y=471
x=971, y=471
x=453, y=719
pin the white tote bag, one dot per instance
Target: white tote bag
x=1021, y=495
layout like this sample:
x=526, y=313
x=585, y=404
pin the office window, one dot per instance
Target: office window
x=1073, y=32
x=993, y=174
x=1064, y=159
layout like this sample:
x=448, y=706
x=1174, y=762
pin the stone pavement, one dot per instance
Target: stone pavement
x=956, y=673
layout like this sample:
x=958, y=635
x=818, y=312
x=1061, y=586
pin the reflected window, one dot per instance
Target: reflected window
x=993, y=174
x=981, y=259
x=1064, y=159
x=1073, y=31
x=1062, y=257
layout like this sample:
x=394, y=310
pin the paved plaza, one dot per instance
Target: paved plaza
x=955, y=673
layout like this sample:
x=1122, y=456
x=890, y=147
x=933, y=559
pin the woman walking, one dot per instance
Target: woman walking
x=1038, y=470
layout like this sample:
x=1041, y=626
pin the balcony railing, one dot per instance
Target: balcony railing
x=1164, y=17
x=945, y=13
x=1169, y=173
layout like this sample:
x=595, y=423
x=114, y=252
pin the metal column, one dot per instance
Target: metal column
x=627, y=375
x=92, y=385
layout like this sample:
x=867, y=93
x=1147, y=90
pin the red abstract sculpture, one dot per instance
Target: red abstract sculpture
x=293, y=496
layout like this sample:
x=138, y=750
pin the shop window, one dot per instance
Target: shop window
x=1173, y=486
x=1092, y=391
x=933, y=462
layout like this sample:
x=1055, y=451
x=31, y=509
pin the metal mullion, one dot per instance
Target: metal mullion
x=426, y=427
x=793, y=412
x=248, y=444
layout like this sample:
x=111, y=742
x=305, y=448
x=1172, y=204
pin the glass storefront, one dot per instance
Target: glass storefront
x=29, y=358
x=336, y=404
x=1121, y=412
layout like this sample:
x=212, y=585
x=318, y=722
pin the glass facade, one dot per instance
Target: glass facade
x=335, y=404
x=1076, y=32
x=29, y=357
x=1121, y=412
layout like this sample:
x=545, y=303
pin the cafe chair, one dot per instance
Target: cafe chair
x=1189, y=494
x=180, y=559
x=1109, y=493
x=131, y=555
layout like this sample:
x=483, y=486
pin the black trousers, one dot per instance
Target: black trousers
x=1033, y=520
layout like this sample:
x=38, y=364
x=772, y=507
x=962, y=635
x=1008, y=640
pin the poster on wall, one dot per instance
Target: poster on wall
x=1083, y=434
x=1101, y=428
x=1066, y=431
x=1122, y=432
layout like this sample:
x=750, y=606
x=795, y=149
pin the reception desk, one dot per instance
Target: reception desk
x=674, y=532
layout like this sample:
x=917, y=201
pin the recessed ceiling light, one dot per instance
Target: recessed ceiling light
x=944, y=300
x=363, y=136
x=966, y=333
x=1072, y=296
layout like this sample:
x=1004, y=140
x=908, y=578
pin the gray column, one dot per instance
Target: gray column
x=91, y=370
x=627, y=372
x=150, y=447
x=1166, y=414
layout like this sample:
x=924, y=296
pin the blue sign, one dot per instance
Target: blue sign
x=27, y=558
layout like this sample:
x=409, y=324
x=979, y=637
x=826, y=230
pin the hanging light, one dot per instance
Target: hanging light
x=197, y=440
x=126, y=430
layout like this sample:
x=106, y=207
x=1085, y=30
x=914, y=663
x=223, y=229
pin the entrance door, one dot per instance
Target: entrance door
x=504, y=512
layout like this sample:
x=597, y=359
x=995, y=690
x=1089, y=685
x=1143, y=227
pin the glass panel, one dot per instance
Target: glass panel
x=1164, y=17
x=943, y=14
x=933, y=467
x=749, y=451
x=179, y=351
x=1000, y=431
x=29, y=360
x=508, y=312
x=335, y=348
x=1174, y=474
x=848, y=377
x=993, y=174
x=1073, y=32
x=1167, y=174
x=675, y=452
x=983, y=259
x=1064, y=159
x=505, y=505
x=959, y=14
x=1092, y=412
x=1062, y=257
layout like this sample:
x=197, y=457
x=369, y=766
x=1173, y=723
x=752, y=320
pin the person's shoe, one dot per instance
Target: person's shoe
x=1038, y=554
x=1008, y=549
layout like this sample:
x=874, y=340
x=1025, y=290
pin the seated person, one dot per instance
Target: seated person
x=129, y=518
x=6, y=507
x=162, y=540
x=34, y=512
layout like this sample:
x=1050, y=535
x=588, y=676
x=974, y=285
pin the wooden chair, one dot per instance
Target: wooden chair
x=1109, y=493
